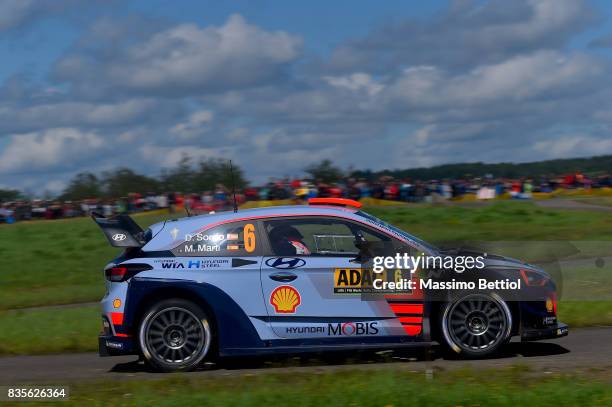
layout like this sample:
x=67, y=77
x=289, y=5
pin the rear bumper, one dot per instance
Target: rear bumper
x=556, y=331
x=116, y=346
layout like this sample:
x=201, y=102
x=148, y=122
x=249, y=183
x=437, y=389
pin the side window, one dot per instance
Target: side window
x=381, y=244
x=231, y=239
x=322, y=237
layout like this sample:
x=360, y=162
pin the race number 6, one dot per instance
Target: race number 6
x=249, y=237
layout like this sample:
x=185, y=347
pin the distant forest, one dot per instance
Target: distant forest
x=191, y=176
x=593, y=166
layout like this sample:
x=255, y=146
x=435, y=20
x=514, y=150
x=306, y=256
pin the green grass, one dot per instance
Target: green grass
x=26, y=332
x=48, y=330
x=503, y=221
x=515, y=386
x=54, y=262
x=599, y=200
x=585, y=313
x=60, y=262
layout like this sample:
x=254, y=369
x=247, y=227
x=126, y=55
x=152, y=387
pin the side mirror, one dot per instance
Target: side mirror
x=365, y=250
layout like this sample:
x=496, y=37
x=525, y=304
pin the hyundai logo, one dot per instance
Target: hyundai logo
x=285, y=262
x=118, y=237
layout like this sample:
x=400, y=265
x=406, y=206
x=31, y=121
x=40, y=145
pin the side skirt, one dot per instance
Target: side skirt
x=321, y=348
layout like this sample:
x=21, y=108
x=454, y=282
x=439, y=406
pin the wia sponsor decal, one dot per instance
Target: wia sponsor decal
x=195, y=264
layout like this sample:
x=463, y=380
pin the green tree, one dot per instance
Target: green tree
x=593, y=166
x=83, y=185
x=7, y=195
x=180, y=178
x=217, y=171
x=324, y=171
x=123, y=181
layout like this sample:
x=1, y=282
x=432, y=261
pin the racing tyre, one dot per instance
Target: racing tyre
x=476, y=325
x=174, y=335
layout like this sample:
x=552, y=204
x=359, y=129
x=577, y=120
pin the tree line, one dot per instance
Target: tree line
x=204, y=175
x=186, y=176
x=592, y=166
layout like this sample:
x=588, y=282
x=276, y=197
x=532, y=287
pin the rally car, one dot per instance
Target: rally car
x=297, y=279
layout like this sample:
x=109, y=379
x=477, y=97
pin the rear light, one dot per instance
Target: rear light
x=124, y=272
x=533, y=278
x=116, y=273
x=551, y=303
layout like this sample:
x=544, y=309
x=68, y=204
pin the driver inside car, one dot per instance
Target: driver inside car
x=288, y=241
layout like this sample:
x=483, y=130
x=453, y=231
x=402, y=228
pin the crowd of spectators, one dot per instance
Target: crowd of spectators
x=299, y=190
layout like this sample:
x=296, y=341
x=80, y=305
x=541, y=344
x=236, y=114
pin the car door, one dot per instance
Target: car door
x=227, y=256
x=312, y=286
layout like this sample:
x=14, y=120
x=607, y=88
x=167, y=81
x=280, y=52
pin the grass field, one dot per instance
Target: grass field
x=54, y=262
x=60, y=262
x=38, y=331
x=506, y=221
x=514, y=386
x=42, y=331
x=601, y=200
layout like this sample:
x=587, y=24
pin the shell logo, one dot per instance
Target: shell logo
x=285, y=299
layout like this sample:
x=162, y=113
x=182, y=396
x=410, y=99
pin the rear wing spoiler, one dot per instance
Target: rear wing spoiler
x=120, y=230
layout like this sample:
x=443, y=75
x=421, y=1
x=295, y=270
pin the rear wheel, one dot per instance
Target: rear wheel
x=476, y=325
x=174, y=335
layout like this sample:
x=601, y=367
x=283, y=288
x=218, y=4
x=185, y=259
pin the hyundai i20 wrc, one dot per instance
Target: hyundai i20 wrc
x=298, y=279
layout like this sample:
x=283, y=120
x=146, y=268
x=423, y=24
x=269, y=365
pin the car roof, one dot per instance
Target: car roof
x=163, y=238
x=274, y=211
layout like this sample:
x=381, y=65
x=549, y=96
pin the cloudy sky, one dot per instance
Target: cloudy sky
x=275, y=85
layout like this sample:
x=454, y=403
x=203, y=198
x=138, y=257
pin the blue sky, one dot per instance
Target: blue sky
x=322, y=24
x=276, y=85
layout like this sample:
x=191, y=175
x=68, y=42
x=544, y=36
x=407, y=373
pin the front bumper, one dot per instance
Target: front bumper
x=109, y=345
x=556, y=331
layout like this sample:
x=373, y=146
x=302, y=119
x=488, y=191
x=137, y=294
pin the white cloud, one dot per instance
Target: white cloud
x=187, y=59
x=195, y=125
x=573, y=145
x=71, y=114
x=55, y=186
x=545, y=74
x=356, y=82
x=492, y=80
x=168, y=156
x=38, y=151
x=18, y=13
x=467, y=33
x=14, y=12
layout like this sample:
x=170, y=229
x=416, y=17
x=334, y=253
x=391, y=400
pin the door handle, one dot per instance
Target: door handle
x=283, y=276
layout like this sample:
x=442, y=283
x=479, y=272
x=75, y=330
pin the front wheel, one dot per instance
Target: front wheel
x=174, y=335
x=476, y=325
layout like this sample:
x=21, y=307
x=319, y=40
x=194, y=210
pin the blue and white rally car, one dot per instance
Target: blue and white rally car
x=297, y=279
